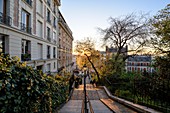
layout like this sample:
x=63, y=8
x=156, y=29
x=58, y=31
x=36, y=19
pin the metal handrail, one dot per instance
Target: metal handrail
x=90, y=106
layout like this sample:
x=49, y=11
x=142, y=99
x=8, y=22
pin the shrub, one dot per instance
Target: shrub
x=25, y=90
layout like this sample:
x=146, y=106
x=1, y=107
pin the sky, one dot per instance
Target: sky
x=85, y=16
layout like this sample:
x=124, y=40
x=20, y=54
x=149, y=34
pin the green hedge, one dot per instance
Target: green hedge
x=25, y=90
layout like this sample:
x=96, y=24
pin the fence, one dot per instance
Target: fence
x=153, y=92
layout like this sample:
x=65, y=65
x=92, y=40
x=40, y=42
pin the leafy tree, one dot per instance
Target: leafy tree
x=87, y=47
x=160, y=40
x=160, y=29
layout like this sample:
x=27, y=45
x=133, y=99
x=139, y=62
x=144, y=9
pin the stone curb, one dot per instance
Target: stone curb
x=137, y=107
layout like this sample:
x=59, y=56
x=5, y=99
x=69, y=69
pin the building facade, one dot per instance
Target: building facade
x=65, y=45
x=29, y=30
x=140, y=63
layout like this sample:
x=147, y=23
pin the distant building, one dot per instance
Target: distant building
x=110, y=51
x=139, y=63
x=65, y=45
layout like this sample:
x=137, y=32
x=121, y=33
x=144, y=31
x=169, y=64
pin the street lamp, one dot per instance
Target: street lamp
x=85, y=99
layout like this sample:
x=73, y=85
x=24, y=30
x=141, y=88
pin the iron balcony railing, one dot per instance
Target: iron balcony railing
x=25, y=57
x=25, y=28
x=5, y=19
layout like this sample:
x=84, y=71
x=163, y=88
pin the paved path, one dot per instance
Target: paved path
x=98, y=99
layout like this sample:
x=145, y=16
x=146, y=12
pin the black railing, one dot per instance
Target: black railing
x=25, y=57
x=26, y=28
x=29, y=2
x=5, y=19
x=152, y=92
x=48, y=56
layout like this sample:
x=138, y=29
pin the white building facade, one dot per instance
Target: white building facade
x=29, y=30
x=140, y=63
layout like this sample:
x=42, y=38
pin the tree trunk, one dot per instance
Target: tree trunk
x=98, y=76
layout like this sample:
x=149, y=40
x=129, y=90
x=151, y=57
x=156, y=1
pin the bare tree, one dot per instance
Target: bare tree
x=87, y=47
x=128, y=30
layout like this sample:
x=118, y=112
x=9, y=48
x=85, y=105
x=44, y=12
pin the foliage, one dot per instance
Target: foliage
x=162, y=64
x=25, y=90
x=86, y=48
x=150, y=90
x=160, y=29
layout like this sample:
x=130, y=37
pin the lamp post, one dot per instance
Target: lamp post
x=85, y=99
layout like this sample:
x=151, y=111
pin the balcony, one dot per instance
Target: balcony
x=48, y=56
x=25, y=28
x=29, y=2
x=5, y=19
x=25, y=57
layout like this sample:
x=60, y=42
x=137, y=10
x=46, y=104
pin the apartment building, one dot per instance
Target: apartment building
x=65, y=45
x=29, y=30
x=140, y=63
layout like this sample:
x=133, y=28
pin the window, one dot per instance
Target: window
x=48, y=52
x=39, y=29
x=4, y=18
x=40, y=51
x=29, y=2
x=54, y=8
x=40, y=7
x=138, y=69
x=54, y=24
x=25, y=22
x=48, y=68
x=54, y=65
x=54, y=35
x=54, y=52
x=49, y=2
x=26, y=50
x=48, y=34
x=40, y=67
x=2, y=44
x=48, y=16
